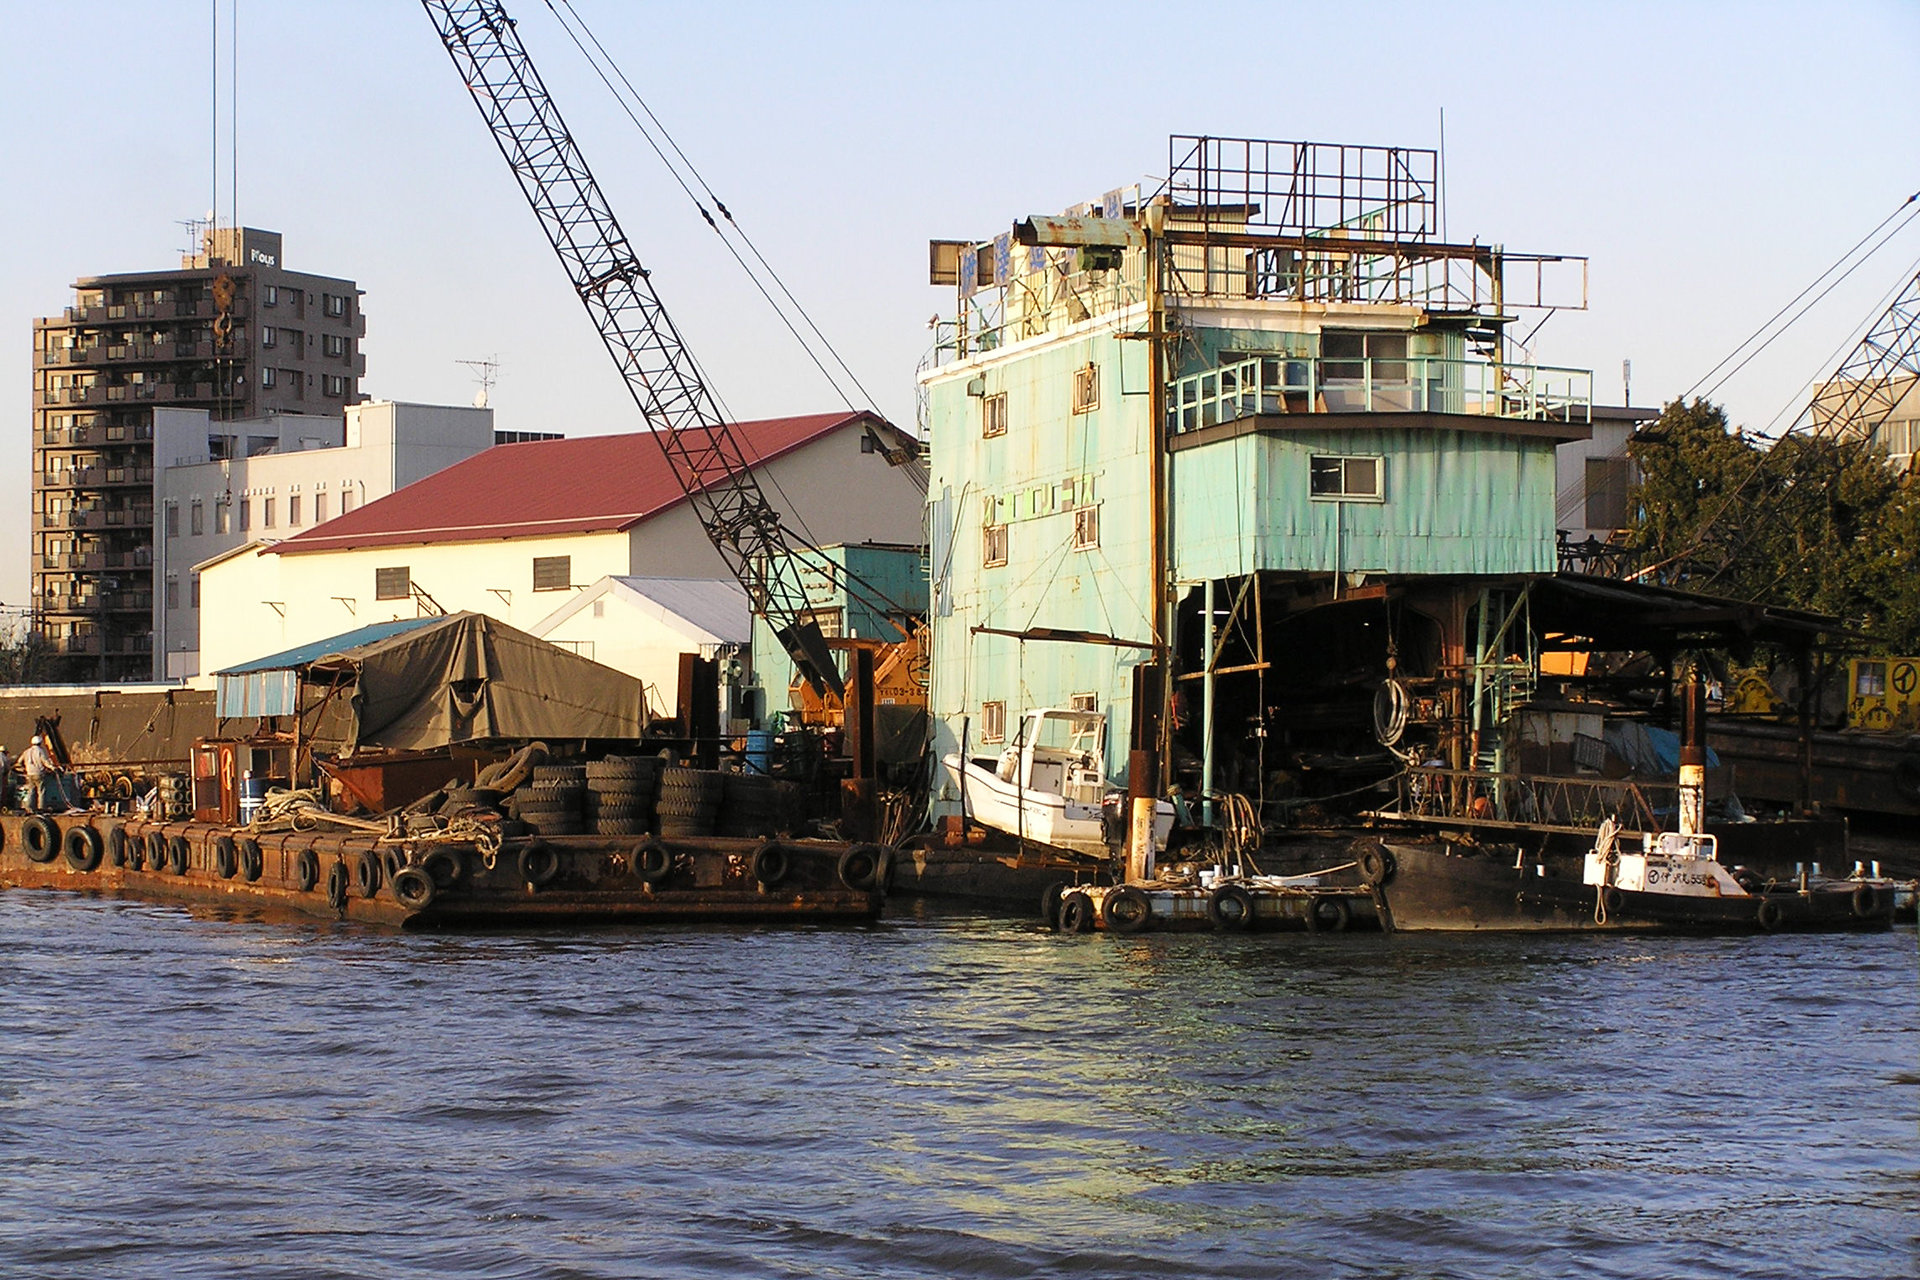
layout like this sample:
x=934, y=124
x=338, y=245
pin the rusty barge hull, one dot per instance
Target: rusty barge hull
x=359, y=877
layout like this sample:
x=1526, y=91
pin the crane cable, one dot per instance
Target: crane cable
x=602, y=63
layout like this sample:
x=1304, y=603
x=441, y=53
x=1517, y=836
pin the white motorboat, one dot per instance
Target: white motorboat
x=1049, y=784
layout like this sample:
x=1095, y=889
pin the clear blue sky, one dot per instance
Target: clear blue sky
x=1709, y=158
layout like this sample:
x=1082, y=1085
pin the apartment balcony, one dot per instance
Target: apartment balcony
x=95, y=477
x=89, y=645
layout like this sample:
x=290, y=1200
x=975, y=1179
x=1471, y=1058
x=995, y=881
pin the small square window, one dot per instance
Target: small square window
x=993, y=415
x=993, y=546
x=552, y=573
x=1084, y=702
x=1086, y=528
x=993, y=722
x=1086, y=388
x=1870, y=680
x=392, y=584
x=270, y=296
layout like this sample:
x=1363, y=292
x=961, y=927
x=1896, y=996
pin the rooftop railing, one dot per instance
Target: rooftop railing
x=1280, y=384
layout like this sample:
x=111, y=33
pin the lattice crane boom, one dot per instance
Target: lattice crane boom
x=700, y=445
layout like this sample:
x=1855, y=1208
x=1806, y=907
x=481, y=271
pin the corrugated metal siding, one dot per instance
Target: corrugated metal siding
x=257, y=693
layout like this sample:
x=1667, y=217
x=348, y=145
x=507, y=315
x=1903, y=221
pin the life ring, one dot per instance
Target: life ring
x=1771, y=914
x=1906, y=776
x=179, y=855
x=118, y=847
x=83, y=848
x=1865, y=902
x=770, y=864
x=1050, y=903
x=444, y=866
x=40, y=838
x=1230, y=907
x=859, y=867
x=226, y=857
x=156, y=851
x=1127, y=909
x=539, y=864
x=414, y=888
x=306, y=870
x=366, y=873
x=1328, y=915
x=337, y=885
x=1076, y=913
x=1375, y=864
x=253, y=863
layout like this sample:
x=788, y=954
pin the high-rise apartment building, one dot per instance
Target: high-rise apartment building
x=232, y=331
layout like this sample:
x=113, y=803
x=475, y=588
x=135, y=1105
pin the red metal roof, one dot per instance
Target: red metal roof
x=592, y=484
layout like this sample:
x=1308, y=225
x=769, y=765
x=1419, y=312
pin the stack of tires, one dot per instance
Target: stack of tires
x=554, y=803
x=620, y=794
x=689, y=800
x=755, y=805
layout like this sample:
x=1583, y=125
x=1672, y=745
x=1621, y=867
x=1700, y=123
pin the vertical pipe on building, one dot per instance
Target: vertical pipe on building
x=1150, y=745
x=1206, y=711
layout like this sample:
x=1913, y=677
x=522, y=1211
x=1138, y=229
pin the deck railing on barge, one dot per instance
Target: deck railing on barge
x=1543, y=801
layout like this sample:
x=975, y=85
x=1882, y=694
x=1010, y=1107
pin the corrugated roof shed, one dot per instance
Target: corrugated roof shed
x=589, y=484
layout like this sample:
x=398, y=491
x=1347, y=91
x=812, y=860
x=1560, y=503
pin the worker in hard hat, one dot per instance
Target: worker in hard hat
x=43, y=782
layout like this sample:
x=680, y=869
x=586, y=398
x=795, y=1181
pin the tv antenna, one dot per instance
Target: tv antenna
x=486, y=372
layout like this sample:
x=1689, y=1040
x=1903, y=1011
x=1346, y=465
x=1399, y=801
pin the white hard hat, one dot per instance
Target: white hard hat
x=36, y=739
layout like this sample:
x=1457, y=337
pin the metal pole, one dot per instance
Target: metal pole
x=1206, y=711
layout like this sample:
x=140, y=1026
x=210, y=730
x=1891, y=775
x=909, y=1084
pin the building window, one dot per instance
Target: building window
x=319, y=508
x=266, y=513
x=173, y=592
x=346, y=501
x=173, y=520
x=1870, y=680
x=222, y=517
x=333, y=304
x=552, y=573
x=197, y=520
x=333, y=344
x=1347, y=479
x=246, y=514
x=269, y=377
x=266, y=335
x=193, y=591
x=599, y=608
x=1607, y=482
x=293, y=510
x=1086, y=388
x=993, y=722
x=270, y=296
x=1086, y=528
x=333, y=384
x=993, y=415
x=1085, y=702
x=993, y=536
x=832, y=622
x=392, y=584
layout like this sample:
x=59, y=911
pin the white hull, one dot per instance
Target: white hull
x=1040, y=816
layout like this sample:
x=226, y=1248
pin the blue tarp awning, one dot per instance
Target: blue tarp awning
x=269, y=686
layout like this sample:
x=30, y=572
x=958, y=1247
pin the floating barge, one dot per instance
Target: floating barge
x=438, y=883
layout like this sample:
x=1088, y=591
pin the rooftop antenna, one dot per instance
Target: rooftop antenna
x=486, y=372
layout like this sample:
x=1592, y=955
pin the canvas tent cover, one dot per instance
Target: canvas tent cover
x=462, y=678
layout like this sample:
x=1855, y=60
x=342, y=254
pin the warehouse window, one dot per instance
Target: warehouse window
x=552, y=573
x=1084, y=702
x=993, y=415
x=392, y=584
x=1086, y=388
x=993, y=722
x=993, y=546
x=1086, y=528
x=1347, y=479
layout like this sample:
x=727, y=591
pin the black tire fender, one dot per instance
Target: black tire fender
x=770, y=863
x=539, y=864
x=40, y=837
x=414, y=888
x=444, y=866
x=1375, y=864
x=860, y=867
x=306, y=870
x=1327, y=914
x=337, y=881
x=253, y=862
x=179, y=855
x=226, y=857
x=156, y=851
x=366, y=873
x=1050, y=903
x=1230, y=907
x=1771, y=914
x=1076, y=913
x=1864, y=902
x=1127, y=909
x=119, y=848
x=83, y=848
x=652, y=862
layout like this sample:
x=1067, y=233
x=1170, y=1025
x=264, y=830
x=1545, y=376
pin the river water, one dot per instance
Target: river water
x=945, y=1096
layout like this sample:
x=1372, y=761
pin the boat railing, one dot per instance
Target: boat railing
x=1534, y=800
